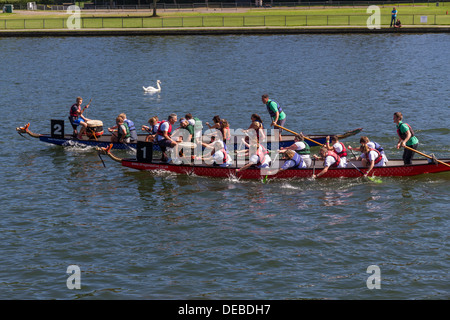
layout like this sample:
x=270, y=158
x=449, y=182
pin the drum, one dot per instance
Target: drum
x=94, y=129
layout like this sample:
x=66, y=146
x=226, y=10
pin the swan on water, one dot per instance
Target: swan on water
x=153, y=89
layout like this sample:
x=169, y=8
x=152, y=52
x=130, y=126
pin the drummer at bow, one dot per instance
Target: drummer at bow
x=76, y=118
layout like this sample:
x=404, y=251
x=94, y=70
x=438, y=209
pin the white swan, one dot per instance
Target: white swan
x=153, y=89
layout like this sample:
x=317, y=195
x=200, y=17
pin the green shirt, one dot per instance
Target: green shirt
x=190, y=128
x=272, y=105
x=403, y=127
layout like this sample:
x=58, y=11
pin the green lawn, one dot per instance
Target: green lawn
x=336, y=16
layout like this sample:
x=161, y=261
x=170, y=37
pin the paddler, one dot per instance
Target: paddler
x=260, y=158
x=331, y=159
x=300, y=147
x=76, y=118
x=152, y=129
x=294, y=160
x=371, y=158
x=131, y=127
x=219, y=155
x=337, y=147
x=122, y=135
x=163, y=135
x=371, y=144
x=198, y=127
x=276, y=112
x=406, y=138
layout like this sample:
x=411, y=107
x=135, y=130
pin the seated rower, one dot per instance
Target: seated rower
x=198, y=127
x=185, y=133
x=225, y=130
x=371, y=144
x=256, y=118
x=337, y=147
x=261, y=158
x=331, y=159
x=163, y=135
x=219, y=156
x=185, y=125
x=152, y=129
x=122, y=134
x=216, y=125
x=131, y=127
x=256, y=128
x=371, y=158
x=300, y=147
x=294, y=160
x=76, y=118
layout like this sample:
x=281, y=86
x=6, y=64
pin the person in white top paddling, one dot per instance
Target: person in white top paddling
x=371, y=158
x=339, y=148
x=301, y=147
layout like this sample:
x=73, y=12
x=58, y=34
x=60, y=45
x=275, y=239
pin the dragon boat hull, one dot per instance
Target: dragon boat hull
x=105, y=140
x=396, y=168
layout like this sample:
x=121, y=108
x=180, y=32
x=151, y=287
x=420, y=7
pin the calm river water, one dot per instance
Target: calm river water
x=137, y=235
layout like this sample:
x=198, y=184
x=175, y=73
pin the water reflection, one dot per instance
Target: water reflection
x=335, y=198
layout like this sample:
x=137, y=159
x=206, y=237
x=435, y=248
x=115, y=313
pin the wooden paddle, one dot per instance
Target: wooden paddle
x=299, y=134
x=425, y=155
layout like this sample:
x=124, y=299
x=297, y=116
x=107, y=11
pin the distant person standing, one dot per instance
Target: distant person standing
x=393, y=16
x=275, y=111
x=406, y=138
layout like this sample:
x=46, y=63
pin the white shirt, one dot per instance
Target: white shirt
x=338, y=149
x=155, y=127
x=218, y=159
x=300, y=146
x=264, y=163
x=373, y=155
x=372, y=145
x=329, y=161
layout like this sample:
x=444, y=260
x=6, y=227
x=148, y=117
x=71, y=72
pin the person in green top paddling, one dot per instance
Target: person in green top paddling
x=406, y=138
x=189, y=128
x=277, y=114
x=122, y=134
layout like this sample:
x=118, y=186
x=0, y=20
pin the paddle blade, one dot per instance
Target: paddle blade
x=375, y=179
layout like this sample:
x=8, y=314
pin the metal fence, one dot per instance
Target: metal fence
x=220, y=21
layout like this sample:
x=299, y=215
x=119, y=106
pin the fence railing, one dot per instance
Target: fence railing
x=220, y=21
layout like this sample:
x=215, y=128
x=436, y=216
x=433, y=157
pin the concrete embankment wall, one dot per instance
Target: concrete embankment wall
x=215, y=31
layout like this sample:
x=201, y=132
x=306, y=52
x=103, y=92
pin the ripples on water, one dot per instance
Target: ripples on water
x=162, y=236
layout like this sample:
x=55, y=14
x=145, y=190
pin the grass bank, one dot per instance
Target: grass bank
x=274, y=17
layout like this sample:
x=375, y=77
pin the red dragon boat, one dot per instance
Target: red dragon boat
x=395, y=168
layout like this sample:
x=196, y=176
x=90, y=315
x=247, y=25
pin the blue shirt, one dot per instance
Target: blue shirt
x=394, y=13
